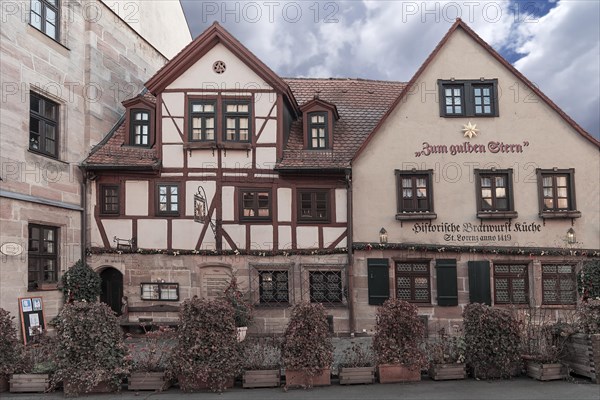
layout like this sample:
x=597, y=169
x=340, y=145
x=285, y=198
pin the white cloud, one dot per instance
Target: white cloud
x=563, y=59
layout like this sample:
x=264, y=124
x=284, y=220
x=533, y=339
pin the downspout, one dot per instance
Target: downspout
x=83, y=213
x=349, y=239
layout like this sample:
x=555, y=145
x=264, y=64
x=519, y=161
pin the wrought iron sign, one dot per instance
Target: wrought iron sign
x=201, y=209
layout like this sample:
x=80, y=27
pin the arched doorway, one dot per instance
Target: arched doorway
x=112, y=288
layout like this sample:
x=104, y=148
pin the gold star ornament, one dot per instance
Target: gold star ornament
x=470, y=130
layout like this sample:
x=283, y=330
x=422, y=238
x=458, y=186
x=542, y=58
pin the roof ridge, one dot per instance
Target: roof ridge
x=332, y=79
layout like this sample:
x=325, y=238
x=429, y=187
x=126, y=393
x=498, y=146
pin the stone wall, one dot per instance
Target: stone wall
x=97, y=62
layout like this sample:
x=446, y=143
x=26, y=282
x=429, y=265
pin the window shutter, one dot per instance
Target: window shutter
x=379, y=280
x=447, y=290
x=479, y=282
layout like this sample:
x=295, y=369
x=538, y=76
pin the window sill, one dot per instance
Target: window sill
x=497, y=214
x=235, y=145
x=200, y=145
x=45, y=287
x=416, y=216
x=560, y=214
x=53, y=40
x=51, y=157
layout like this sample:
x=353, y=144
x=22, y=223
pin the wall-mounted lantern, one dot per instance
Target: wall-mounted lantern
x=383, y=236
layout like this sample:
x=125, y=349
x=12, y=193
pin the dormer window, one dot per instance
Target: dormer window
x=140, y=122
x=318, y=118
x=317, y=128
x=203, y=116
x=139, y=126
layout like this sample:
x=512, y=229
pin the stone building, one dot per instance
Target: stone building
x=66, y=67
x=441, y=191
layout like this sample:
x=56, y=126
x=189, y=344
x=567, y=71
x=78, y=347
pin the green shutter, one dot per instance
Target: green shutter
x=479, y=282
x=379, y=280
x=447, y=290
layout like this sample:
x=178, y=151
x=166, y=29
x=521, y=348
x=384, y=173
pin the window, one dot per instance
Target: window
x=140, y=128
x=558, y=284
x=313, y=205
x=511, y=284
x=273, y=287
x=168, y=199
x=256, y=205
x=317, y=128
x=412, y=282
x=43, y=255
x=494, y=194
x=237, y=121
x=43, y=125
x=160, y=291
x=325, y=287
x=415, y=194
x=44, y=16
x=557, y=193
x=202, y=121
x=466, y=98
x=109, y=199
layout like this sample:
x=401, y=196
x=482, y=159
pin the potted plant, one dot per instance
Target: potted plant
x=150, y=356
x=207, y=354
x=543, y=344
x=81, y=283
x=11, y=349
x=243, y=308
x=492, y=342
x=446, y=356
x=262, y=362
x=357, y=365
x=33, y=375
x=399, y=333
x=307, y=351
x=90, y=353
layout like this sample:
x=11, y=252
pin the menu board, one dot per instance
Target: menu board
x=33, y=323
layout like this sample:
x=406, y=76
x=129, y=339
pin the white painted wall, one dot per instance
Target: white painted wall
x=152, y=233
x=307, y=237
x=136, y=198
x=237, y=75
x=284, y=205
x=186, y=233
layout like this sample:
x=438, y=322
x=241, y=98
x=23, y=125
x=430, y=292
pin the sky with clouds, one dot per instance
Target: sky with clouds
x=556, y=44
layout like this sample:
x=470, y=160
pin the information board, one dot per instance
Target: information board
x=32, y=317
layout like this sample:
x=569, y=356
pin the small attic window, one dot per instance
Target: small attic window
x=140, y=122
x=318, y=118
x=317, y=130
x=140, y=128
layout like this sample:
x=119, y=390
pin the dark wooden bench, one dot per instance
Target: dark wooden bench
x=146, y=323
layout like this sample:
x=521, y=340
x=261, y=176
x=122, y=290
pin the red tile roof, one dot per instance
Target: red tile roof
x=111, y=152
x=361, y=104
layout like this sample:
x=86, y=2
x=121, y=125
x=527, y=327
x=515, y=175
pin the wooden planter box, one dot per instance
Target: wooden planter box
x=3, y=384
x=582, y=355
x=394, y=373
x=261, y=379
x=301, y=379
x=357, y=375
x=29, y=383
x=194, y=385
x=445, y=372
x=148, y=381
x=546, y=372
